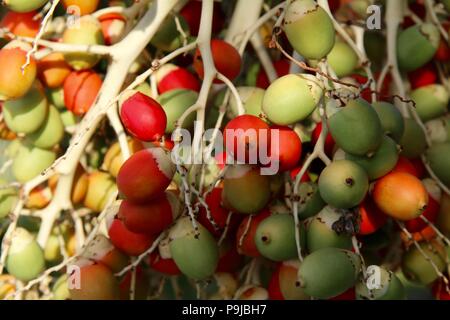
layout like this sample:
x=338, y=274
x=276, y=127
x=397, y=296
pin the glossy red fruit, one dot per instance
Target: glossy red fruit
x=80, y=90
x=440, y=291
x=431, y=213
x=143, y=117
x=145, y=175
x=245, y=236
x=282, y=68
x=152, y=217
x=371, y=218
x=21, y=24
x=192, y=11
x=443, y=52
x=246, y=137
x=173, y=77
x=296, y=171
x=405, y=165
x=419, y=166
x=423, y=76
x=229, y=258
x=226, y=59
x=284, y=284
x=166, y=266
x=366, y=93
x=219, y=215
x=133, y=244
x=329, y=141
x=285, y=147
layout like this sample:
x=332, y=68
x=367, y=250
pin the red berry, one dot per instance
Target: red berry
x=177, y=78
x=371, y=217
x=133, y=244
x=143, y=117
x=287, y=149
x=80, y=90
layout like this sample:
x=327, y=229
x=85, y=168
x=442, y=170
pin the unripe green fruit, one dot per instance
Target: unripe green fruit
x=438, y=157
x=320, y=233
x=56, y=97
x=416, y=267
x=252, y=99
x=197, y=257
x=30, y=161
x=310, y=200
x=86, y=31
x=275, y=237
x=168, y=38
x=356, y=128
x=381, y=162
x=446, y=4
x=343, y=184
x=50, y=133
x=24, y=5
x=431, y=101
x=52, y=250
x=413, y=141
x=391, y=119
x=8, y=198
x=292, y=98
x=68, y=118
x=175, y=103
x=439, y=129
x=25, y=259
x=239, y=179
x=28, y=113
x=61, y=289
x=391, y=288
x=342, y=59
x=309, y=29
x=329, y=272
x=417, y=45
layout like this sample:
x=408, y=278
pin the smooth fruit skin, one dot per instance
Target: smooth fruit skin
x=50, y=133
x=168, y=38
x=8, y=197
x=284, y=284
x=413, y=141
x=285, y=147
x=197, y=257
x=438, y=158
x=21, y=24
x=87, y=31
x=356, y=128
x=320, y=233
x=342, y=59
x=400, y=195
x=310, y=202
x=291, y=98
x=146, y=174
x=152, y=217
x=245, y=235
x=309, y=29
x=391, y=119
x=431, y=101
x=238, y=180
x=13, y=83
x=113, y=159
x=175, y=103
x=130, y=243
x=24, y=5
x=251, y=98
x=275, y=237
x=417, y=268
x=371, y=218
x=329, y=272
x=431, y=213
x=30, y=161
x=417, y=45
x=246, y=137
x=80, y=90
x=391, y=288
x=226, y=59
x=25, y=259
x=343, y=184
x=177, y=78
x=381, y=162
x=53, y=70
x=100, y=188
x=143, y=117
x=165, y=266
x=84, y=6
x=113, y=27
x=97, y=282
x=28, y=113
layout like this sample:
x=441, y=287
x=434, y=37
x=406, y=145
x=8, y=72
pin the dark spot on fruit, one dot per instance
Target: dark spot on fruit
x=350, y=182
